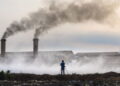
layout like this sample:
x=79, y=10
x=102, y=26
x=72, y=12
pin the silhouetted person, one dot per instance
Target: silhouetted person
x=62, y=64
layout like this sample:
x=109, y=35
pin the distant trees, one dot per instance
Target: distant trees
x=5, y=75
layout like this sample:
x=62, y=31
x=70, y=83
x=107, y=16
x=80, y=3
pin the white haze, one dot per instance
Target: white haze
x=51, y=65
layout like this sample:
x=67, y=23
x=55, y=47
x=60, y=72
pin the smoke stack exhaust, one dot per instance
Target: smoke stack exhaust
x=35, y=46
x=3, y=47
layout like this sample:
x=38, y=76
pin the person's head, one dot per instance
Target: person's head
x=62, y=60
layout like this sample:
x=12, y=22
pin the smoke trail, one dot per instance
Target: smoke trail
x=47, y=18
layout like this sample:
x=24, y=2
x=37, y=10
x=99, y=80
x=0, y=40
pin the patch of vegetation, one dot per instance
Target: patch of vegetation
x=5, y=75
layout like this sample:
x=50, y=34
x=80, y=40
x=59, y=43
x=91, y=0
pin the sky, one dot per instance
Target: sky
x=85, y=36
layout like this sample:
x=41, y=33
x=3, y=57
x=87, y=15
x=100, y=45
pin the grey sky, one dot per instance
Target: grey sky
x=85, y=36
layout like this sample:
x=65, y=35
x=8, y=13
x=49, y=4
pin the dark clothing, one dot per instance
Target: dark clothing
x=62, y=68
x=62, y=65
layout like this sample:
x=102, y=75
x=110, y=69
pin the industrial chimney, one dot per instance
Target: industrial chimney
x=3, y=47
x=35, y=46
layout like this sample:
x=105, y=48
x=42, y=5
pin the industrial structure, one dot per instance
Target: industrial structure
x=36, y=52
x=3, y=47
x=35, y=46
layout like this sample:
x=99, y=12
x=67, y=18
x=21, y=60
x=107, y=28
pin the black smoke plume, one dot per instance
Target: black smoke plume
x=47, y=18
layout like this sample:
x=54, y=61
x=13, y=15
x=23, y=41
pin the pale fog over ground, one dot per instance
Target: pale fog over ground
x=78, y=25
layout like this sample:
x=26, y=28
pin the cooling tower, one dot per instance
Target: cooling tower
x=3, y=47
x=35, y=46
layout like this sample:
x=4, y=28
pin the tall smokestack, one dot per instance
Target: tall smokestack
x=3, y=47
x=35, y=46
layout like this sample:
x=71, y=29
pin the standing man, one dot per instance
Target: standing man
x=62, y=64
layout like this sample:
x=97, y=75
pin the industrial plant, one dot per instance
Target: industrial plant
x=36, y=51
x=57, y=56
x=61, y=66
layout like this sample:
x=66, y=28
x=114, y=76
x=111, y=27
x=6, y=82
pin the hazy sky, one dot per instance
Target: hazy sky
x=85, y=36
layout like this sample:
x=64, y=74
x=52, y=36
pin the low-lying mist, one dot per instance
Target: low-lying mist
x=50, y=64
